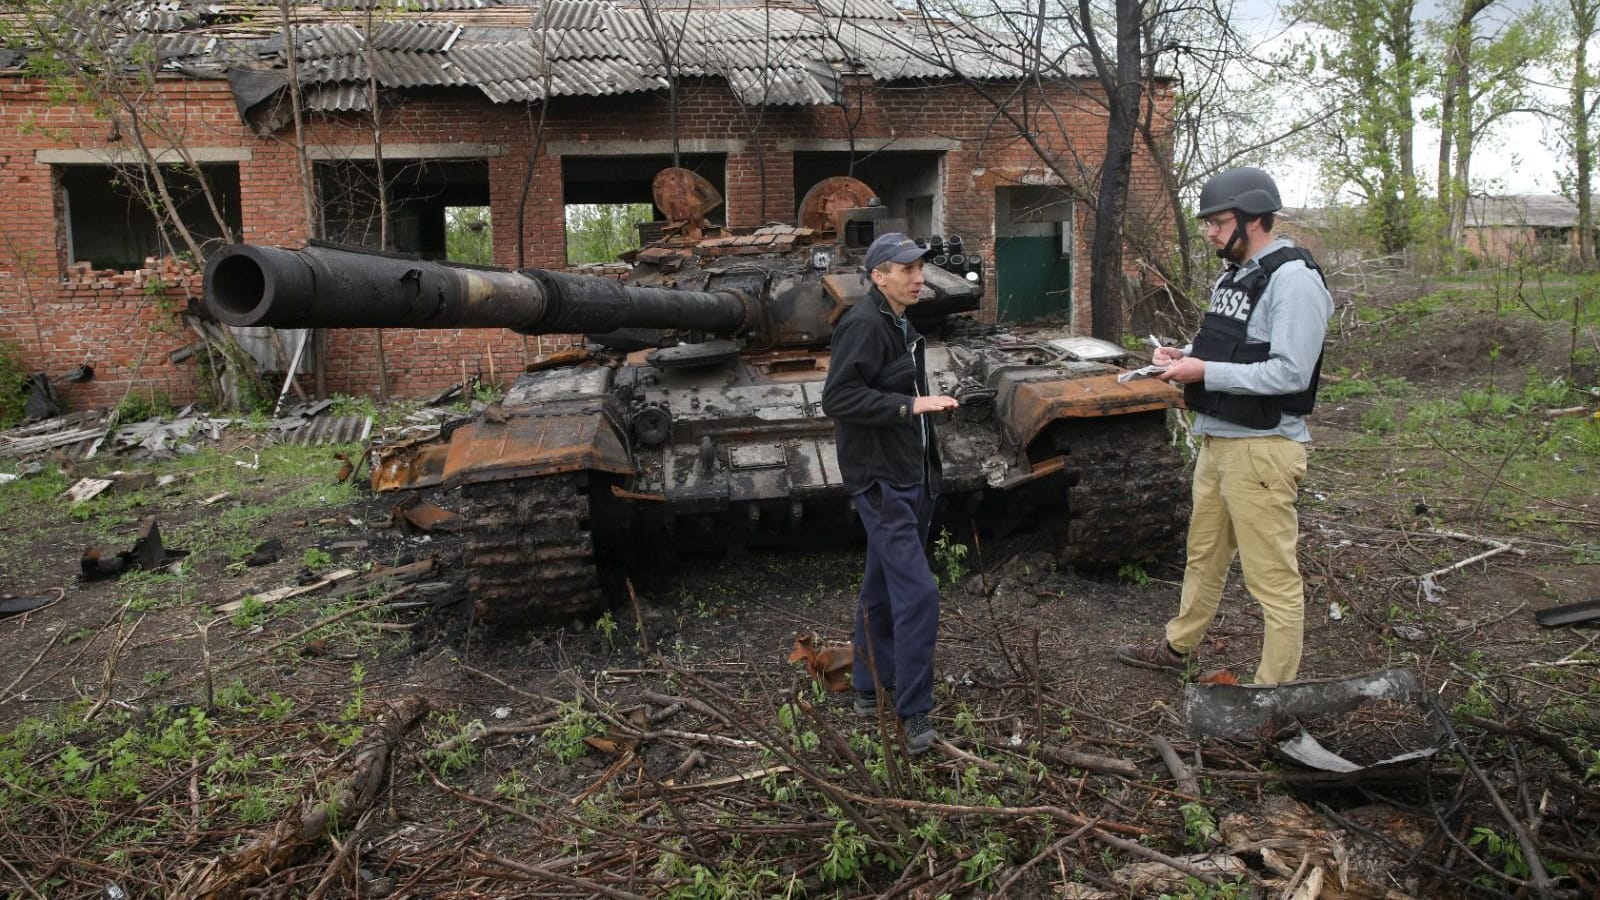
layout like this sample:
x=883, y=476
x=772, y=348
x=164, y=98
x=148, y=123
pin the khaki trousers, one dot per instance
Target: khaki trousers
x=1244, y=493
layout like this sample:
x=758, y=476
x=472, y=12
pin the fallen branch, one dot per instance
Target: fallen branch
x=593, y=887
x=5, y=693
x=1498, y=548
x=1538, y=876
x=1093, y=761
x=232, y=876
x=108, y=675
x=1180, y=771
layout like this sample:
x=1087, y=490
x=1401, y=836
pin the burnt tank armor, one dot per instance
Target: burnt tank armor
x=692, y=419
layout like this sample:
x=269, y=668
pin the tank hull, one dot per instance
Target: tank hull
x=587, y=470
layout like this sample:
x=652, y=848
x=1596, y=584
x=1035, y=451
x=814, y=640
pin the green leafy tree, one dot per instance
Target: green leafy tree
x=468, y=236
x=1367, y=65
x=1575, y=125
x=601, y=232
x=1484, y=79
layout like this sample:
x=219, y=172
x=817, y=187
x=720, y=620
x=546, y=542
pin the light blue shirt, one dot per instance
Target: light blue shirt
x=1293, y=315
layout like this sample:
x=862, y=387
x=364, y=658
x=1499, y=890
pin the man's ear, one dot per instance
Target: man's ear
x=876, y=275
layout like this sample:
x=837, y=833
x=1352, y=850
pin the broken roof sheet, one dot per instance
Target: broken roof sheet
x=770, y=52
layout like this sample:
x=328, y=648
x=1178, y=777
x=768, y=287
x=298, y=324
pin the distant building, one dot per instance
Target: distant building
x=1533, y=227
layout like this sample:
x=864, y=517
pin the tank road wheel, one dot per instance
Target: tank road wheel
x=1129, y=500
x=529, y=554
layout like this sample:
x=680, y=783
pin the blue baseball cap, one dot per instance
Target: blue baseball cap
x=893, y=247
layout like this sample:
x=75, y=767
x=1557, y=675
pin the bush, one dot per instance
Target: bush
x=13, y=392
x=137, y=407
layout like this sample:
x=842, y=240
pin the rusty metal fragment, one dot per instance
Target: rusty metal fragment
x=147, y=555
x=414, y=513
x=829, y=664
x=416, y=463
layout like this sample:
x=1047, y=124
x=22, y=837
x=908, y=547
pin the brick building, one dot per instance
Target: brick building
x=524, y=109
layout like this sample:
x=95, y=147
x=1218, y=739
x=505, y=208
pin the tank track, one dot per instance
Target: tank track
x=529, y=554
x=1130, y=502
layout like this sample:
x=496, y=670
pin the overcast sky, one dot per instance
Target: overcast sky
x=1515, y=159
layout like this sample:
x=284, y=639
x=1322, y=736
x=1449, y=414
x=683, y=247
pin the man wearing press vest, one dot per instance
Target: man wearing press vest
x=1250, y=377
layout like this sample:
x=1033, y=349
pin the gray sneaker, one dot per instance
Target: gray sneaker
x=866, y=703
x=920, y=734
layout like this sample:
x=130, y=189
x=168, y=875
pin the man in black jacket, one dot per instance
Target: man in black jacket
x=877, y=396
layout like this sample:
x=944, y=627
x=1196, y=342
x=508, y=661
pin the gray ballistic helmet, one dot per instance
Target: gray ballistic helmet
x=1246, y=189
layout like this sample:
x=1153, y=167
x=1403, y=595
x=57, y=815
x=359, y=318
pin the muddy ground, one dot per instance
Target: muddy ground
x=708, y=779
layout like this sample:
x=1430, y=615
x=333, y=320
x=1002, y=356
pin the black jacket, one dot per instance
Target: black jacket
x=875, y=373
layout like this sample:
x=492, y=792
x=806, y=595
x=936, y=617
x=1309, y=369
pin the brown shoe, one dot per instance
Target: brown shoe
x=1158, y=655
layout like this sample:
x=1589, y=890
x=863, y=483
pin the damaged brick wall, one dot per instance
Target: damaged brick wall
x=57, y=317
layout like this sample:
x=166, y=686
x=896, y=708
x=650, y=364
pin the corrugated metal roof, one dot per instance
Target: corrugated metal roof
x=778, y=52
x=1522, y=210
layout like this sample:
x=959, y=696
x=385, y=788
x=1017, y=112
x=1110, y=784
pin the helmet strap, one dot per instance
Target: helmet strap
x=1238, y=236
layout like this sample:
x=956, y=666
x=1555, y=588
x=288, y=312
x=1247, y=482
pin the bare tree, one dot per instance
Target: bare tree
x=291, y=58
x=1134, y=51
x=669, y=28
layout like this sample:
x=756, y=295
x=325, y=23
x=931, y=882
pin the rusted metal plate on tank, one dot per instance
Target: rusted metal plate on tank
x=410, y=465
x=534, y=445
x=1035, y=404
x=845, y=290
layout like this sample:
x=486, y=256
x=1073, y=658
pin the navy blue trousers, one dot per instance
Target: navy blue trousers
x=897, y=612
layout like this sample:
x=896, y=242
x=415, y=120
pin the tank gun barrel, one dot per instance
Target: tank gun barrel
x=321, y=286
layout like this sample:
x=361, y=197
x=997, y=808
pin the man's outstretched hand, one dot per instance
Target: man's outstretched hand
x=937, y=403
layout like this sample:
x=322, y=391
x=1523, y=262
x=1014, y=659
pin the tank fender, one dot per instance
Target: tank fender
x=1028, y=400
x=534, y=445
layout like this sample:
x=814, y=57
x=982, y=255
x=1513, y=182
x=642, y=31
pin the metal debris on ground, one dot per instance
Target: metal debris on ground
x=13, y=606
x=415, y=514
x=1376, y=717
x=83, y=435
x=306, y=425
x=79, y=433
x=162, y=438
x=829, y=664
x=1569, y=614
x=147, y=555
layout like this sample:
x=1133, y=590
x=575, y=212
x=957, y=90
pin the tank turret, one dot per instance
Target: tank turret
x=778, y=286
x=694, y=419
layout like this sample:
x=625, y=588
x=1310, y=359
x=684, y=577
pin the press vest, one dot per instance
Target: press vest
x=1223, y=338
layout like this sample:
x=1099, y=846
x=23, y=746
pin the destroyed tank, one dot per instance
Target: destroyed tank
x=692, y=420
